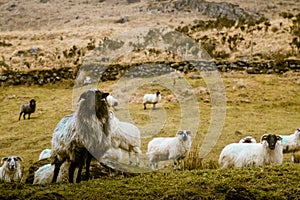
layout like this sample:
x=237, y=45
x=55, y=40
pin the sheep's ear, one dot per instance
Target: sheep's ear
x=4, y=159
x=104, y=95
x=279, y=138
x=264, y=137
x=188, y=132
x=19, y=158
x=179, y=132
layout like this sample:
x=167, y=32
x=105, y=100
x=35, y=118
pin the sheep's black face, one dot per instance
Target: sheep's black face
x=32, y=103
x=247, y=140
x=271, y=140
x=157, y=93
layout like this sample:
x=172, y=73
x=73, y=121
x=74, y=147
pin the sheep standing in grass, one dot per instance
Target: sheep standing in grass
x=27, y=109
x=112, y=101
x=82, y=135
x=175, y=148
x=125, y=136
x=46, y=153
x=247, y=139
x=269, y=151
x=291, y=143
x=11, y=169
x=151, y=99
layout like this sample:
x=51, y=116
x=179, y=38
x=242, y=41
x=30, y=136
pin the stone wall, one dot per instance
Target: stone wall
x=114, y=72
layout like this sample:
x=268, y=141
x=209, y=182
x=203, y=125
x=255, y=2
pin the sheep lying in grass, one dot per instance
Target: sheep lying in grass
x=46, y=153
x=125, y=136
x=151, y=99
x=27, y=109
x=44, y=174
x=175, y=148
x=82, y=135
x=291, y=143
x=112, y=101
x=269, y=151
x=11, y=169
x=247, y=139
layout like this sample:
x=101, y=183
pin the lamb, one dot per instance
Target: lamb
x=247, y=139
x=46, y=153
x=268, y=151
x=125, y=136
x=27, y=109
x=151, y=99
x=291, y=143
x=175, y=148
x=80, y=136
x=113, y=154
x=112, y=101
x=11, y=170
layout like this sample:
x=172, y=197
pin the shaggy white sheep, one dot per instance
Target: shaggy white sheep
x=247, y=139
x=175, y=148
x=11, y=169
x=112, y=101
x=151, y=99
x=291, y=143
x=46, y=153
x=125, y=136
x=269, y=151
x=82, y=135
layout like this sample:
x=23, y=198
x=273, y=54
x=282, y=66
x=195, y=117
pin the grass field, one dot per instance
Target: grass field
x=256, y=104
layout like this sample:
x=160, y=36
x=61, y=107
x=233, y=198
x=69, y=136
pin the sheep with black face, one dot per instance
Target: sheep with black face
x=27, y=109
x=83, y=135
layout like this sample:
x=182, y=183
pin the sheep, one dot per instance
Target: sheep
x=113, y=154
x=268, y=151
x=112, y=101
x=151, y=99
x=11, y=169
x=44, y=174
x=46, y=153
x=125, y=136
x=247, y=139
x=80, y=136
x=27, y=109
x=175, y=148
x=291, y=143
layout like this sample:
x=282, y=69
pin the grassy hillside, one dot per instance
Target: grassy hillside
x=256, y=104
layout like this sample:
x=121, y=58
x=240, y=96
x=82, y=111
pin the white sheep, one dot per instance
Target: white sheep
x=113, y=154
x=291, y=143
x=82, y=135
x=46, y=153
x=268, y=151
x=44, y=174
x=172, y=148
x=11, y=169
x=125, y=136
x=112, y=101
x=151, y=99
x=247, y=139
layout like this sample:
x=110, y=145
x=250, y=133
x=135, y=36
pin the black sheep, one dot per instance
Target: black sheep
x=27, y=109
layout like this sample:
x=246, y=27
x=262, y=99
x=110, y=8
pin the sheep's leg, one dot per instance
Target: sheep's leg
x=28, y=116
x=78, y=178
x=145, y=106
x=137, y=159
x=154, y=106
x=130, y=158
x=87, y=167
x=56, y=171
x=71, y=172
x=175, y=164
x=293, y=158
x=20, y=115
x=178, y=162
